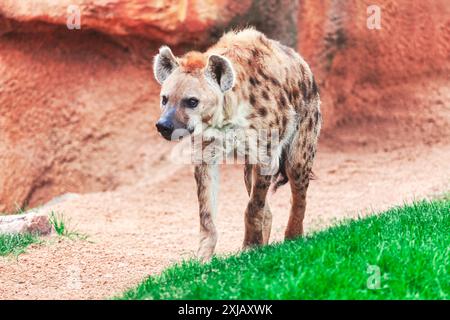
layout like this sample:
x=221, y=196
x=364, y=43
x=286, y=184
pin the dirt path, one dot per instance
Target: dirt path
x=142, y=228
x=139, y=230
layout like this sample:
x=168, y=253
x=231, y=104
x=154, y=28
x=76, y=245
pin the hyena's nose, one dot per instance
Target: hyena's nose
x=165, y=127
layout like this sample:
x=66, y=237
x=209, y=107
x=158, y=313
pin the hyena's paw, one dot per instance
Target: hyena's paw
x=204, y=255
x=206, y=248
x=293, y=231
x=253, y=239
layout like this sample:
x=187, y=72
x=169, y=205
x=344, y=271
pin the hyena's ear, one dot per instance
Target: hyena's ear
x=220, y=70
x=164, y=64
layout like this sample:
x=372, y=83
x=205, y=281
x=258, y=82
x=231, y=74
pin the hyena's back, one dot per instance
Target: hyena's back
x=279, y=90
x=267, y=72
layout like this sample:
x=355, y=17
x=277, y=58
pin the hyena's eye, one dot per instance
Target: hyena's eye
x=164, y=100
x=191, y=102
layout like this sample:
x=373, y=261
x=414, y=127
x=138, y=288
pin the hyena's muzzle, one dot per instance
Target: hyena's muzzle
x=169, y=127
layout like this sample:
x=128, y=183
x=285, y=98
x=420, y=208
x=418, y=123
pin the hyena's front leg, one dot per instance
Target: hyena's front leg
x=206, y=177
x=257, y=215
x=298, y=172
x=267, y=220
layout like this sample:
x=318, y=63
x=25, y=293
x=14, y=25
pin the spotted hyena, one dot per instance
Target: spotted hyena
x=244, y=82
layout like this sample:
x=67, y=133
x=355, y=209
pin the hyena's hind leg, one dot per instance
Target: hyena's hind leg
x=299, y=171
x=299, y=165
x=248, y=177
x=299, y=180
x=258, y=218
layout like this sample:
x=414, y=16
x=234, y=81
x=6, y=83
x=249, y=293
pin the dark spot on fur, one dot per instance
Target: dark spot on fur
x=204, y=215
x=310, y=124
x=256, y=204
x=277, y=119
x=316, y=116
x=303, y=143
x=295, y=94
x=302, y=86
x=314, y=88
x=284, y=121
x=262, y=111
x=265, y=95
x=281, y=177
x=289, y=94
x=252, y=99
x=262, y=185
x=303, y=71
x=275, y=82
x=254, y=82
x=257, y=53
x=261, y=72
x=304, y=113
x=282, y=100
x=207, y=118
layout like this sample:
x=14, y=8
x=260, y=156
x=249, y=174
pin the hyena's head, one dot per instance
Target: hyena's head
x=192, y=90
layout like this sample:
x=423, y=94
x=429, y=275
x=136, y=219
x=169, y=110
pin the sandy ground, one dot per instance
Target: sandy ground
x=139, y=229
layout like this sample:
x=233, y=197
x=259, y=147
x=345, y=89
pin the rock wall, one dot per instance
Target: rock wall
x=77, y=107
x=173, y=22
x=169, y=21
x=355, y=64
x=71, y=110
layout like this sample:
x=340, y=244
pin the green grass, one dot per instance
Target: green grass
x=409, y=246
x=58, y=222
x=15, y=244
x=60, y=225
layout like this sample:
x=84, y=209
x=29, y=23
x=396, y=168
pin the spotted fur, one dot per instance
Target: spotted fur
x=247, y=81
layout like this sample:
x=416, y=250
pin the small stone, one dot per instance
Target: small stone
x=36, y=223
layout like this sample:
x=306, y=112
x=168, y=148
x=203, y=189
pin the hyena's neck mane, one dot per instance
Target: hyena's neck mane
x=231, y=113
x=235, y=111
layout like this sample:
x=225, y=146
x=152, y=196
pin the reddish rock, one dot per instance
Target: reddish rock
x=169, y=21
x=354, y=64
